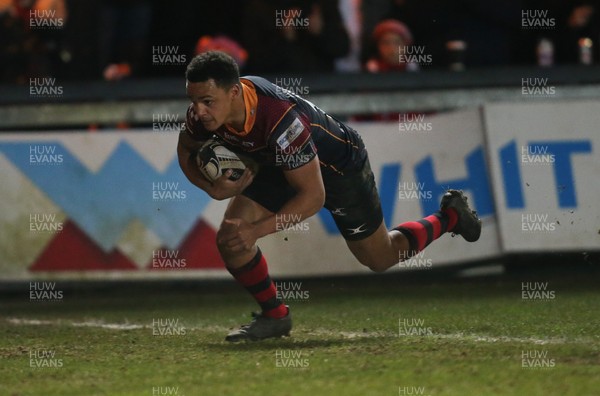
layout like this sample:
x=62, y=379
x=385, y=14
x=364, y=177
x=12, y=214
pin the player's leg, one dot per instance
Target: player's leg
x=249, y=267
x=239, y=207
x=361, y=221
x=354, y=203
x=383, y=249
x=380, y=250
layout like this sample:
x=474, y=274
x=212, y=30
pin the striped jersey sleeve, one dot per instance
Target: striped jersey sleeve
x=291, y=141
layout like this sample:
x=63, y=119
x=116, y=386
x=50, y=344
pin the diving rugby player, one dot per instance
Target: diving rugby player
x=308, y=160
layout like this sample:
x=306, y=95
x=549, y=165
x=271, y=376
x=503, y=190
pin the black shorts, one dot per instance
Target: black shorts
x=351, y=198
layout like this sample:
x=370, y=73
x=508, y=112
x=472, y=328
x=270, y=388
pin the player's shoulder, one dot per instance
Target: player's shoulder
x=271, y=102
x=257, y=81
x=264, y=87
x=280, y=115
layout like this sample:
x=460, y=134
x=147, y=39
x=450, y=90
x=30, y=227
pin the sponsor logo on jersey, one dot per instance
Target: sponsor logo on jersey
x=230, y=137
x=290, y=134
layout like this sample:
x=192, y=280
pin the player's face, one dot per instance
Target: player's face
x=212, y=105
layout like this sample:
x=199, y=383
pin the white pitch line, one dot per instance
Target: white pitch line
x=34, y=322
x=319, y=332
x=453, y=336
x=103, y=325
x=111, y=326
x=506, y=339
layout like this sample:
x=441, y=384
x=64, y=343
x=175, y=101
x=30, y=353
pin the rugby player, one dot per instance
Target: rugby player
x=329, y=167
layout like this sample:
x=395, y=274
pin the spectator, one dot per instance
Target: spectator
x=80, y=41
x=293, y=36
x=351, y=15
x=392, y=38
x=14, y=42
x=487, y=30
x=224, y=44
x=428, y=19
x=30, y=36
x=124, y=28
x=580, y=20
x=181, y=23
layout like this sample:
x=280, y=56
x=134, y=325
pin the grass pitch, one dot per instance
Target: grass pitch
x=369, y=336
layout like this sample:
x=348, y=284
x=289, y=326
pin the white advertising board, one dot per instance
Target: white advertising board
x=115, y=204
x=545, y=170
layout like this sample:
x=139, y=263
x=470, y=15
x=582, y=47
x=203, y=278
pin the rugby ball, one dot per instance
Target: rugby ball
x=214, y=159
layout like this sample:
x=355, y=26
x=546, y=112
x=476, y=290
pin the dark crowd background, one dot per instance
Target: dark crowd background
x=115, y=39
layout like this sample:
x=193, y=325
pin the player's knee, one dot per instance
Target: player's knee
x=221, y=245
x=226, y=252
x=378, y=268
x=375, y=264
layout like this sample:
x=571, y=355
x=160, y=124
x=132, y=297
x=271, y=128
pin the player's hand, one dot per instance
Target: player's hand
x=223, y=188
x=238, y=235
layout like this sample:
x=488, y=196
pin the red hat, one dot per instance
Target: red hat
x=393, y=26
x=225, y=44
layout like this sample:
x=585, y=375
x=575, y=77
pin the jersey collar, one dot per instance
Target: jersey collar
x=251, y=103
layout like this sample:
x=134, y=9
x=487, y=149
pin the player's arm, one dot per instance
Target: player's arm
x=220, y=189
x=309, y=199
x=302, y=170
x=292, y=143
x=186, y=148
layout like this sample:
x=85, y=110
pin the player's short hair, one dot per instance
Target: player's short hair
x=216, y=65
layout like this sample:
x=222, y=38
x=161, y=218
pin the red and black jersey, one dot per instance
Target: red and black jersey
x=284, y=130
